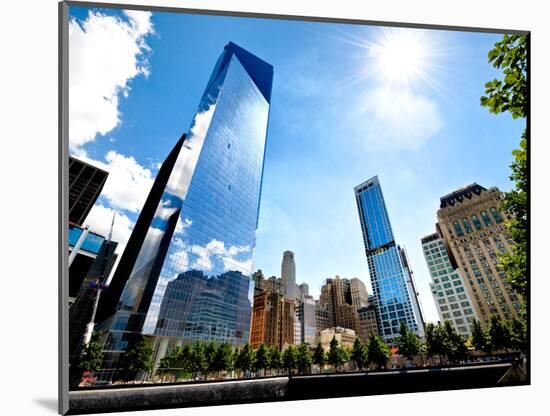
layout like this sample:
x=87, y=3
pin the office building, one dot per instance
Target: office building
x=259, y=280
x=91, y=258
x=197, y=229
x=274, y=284
x=323, y=316
x=367, y=321
x=393, y=303
x=306, y=312
x=471, y=223
x=413, y=293
x=288, y=274
x=344, y=336
x=267, y=313
x=448, y=289
x=85, y=256
x=195, y=307
x=85, y=184
x=303, y=290
x=358, y=293
x=287, y=323
x=342, y=298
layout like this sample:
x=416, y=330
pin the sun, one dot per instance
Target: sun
x=400, y=56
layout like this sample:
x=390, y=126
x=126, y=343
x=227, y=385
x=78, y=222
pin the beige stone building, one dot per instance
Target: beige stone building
x=342, y=299
x=358, y=291
x=472, y=224
x=344, y=336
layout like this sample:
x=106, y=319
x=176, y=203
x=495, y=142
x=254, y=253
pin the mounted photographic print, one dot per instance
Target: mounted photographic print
x=267, y=208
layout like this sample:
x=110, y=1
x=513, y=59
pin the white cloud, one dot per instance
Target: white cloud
x=99, y=219
x=105, y=53
x=178, y=184
x=179, y=257
x=398, y=119
x=182, y=226
x=217, y=249
x=128, y=183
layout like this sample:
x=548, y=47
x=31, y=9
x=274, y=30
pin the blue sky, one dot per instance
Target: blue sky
x=136, y=80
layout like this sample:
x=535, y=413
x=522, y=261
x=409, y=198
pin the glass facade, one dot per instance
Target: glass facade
x=448, y=288
x=306, y=315
x=92, y=243
x=191, y=280
x=393, y=303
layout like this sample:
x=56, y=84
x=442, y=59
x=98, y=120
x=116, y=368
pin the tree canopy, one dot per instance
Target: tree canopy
x=407, y=342
x=138, y=358
x=378, y=352
x=359, y=353
x=91, y=357
x=510, y=94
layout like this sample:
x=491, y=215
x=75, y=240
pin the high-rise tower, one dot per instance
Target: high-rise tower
x=185, y=274
x=448, y=288
x=288, y=274
x=389, y=286
x=472, y=225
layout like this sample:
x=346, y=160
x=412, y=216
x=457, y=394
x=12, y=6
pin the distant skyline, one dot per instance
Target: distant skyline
x=349, y=102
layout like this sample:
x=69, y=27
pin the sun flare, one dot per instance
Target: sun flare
x=400, y=56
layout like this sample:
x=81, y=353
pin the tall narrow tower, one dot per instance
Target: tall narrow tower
x=388, y=277
x=288, y=274
x=185, y=273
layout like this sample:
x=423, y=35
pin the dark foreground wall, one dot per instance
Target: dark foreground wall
x=295, y=388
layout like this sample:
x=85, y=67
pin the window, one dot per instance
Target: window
x=486, y=218
x=458, y=229
x=467, y=225
x=476, y=222
x=496, y=215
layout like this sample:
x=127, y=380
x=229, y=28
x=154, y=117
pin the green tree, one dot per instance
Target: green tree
x=337, y=355
x=245, y=359
x=359, y=353
x=435, y=341
x=223, y=360
x=290, y=358
x=500, y=334
x=479, y=336
x=454, y=345
x=511, y=95
x=274, y=358
x=175, y=363
x=519, y=334
x=198, y=363
x=378, y=352
x=210, y=351
x=303, y=359
x=137, y=359
x=320, y=357
x=91, y=356
x=262, y=358
x=407, y=342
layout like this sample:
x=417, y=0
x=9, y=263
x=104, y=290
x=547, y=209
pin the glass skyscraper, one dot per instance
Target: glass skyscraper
x=393, y=301
x=187, y=274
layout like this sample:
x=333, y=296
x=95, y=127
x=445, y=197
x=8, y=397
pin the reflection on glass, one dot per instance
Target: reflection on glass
x=393, y=303
x=191, y=280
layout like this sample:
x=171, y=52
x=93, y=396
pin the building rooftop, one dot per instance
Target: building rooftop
x=458, y=196
x=430, y=238
x=369, y=182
